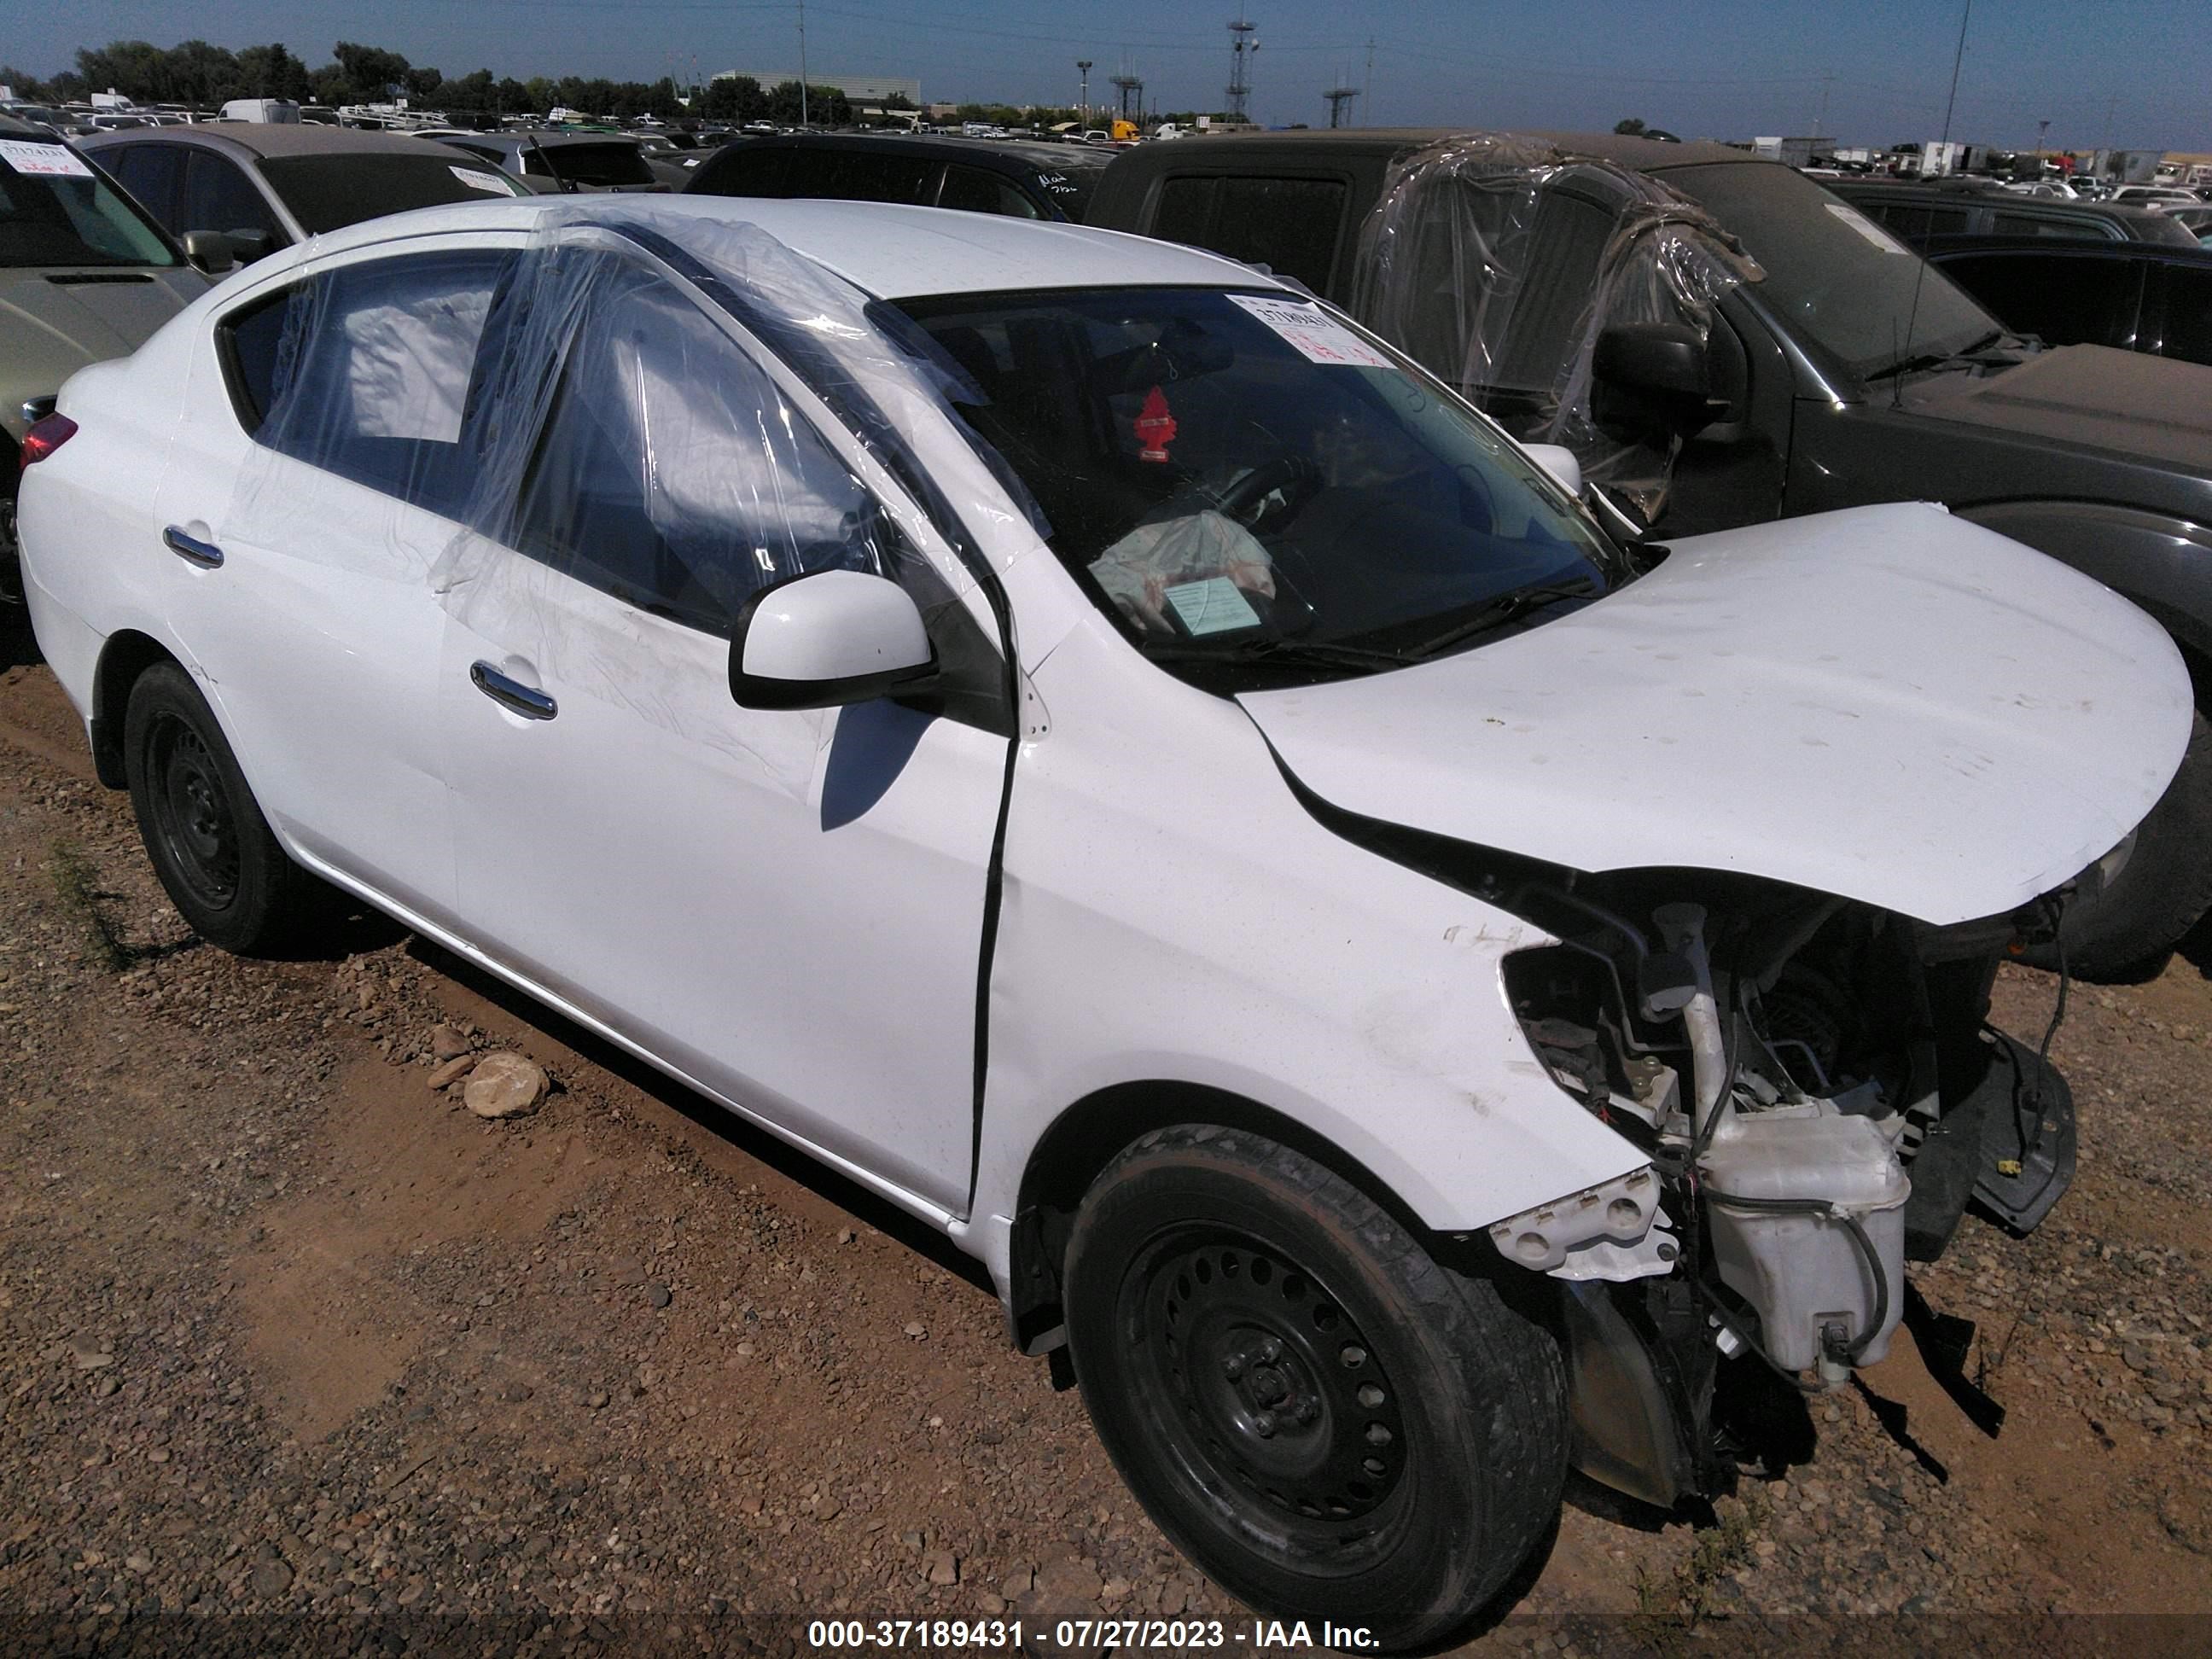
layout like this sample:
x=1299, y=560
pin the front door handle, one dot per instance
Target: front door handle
x=191, y=549
x=507, y=692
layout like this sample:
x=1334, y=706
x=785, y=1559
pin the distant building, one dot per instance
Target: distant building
x=861, y=89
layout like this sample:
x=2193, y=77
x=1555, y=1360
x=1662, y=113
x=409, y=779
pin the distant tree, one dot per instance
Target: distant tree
x=511, y=97
x=270, y=71
x=423, y=85
x=898, y=100
x=371, y=70
x=1631, y=127
x=474, y=92
x=137, y=69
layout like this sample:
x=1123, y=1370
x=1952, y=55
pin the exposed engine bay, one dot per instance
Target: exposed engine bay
x=1821, y=1100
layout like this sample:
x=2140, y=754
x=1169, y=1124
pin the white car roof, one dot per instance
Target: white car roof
x=891, y=252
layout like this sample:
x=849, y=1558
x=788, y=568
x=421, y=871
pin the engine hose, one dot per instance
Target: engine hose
x=1859, y=1239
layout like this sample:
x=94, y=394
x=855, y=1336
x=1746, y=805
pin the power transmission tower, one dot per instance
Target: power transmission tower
x=1242, y=40
x=1130, y=85
x=1337, y=97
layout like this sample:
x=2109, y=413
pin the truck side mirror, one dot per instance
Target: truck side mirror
x=1654, y=378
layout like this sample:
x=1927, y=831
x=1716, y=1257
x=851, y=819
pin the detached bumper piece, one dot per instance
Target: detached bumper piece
x=2007, y=1147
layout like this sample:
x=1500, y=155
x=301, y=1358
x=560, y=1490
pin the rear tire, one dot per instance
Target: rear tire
x=2126, y=931
x=212, y=848
x=1327, y=1421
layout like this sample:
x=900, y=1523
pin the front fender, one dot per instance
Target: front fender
x=2161, y=562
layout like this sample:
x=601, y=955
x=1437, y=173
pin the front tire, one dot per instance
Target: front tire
x=1325, y=1420
x=211, y=845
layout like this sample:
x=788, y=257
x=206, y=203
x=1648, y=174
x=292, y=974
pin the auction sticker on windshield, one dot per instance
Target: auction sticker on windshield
x=53, y=161
x=1318, y=337
x=486, y=182
x=1866, y=227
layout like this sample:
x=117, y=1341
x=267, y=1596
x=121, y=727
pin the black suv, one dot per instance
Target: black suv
x=1837, y=370
x=1917, y=211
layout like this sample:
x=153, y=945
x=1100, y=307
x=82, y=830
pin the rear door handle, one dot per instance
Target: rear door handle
x=191, y=549
x=526, y=701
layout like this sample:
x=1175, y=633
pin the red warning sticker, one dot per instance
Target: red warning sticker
x=1156, y=427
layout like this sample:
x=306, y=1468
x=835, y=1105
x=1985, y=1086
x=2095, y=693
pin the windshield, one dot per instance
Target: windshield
x=1832, y=272
x=71, y=217
x=1238, y=477
x=326, y=192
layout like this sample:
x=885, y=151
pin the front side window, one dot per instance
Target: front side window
x=150, y=173
x=1288, y=225
x=1249, y=487
x=975, y=190
x=671, y=473
x=218, y=196
x=365, y=372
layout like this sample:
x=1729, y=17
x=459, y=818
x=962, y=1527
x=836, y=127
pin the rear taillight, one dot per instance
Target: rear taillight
x=48, y=436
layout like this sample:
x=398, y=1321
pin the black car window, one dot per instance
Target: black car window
x=1288, y=225
x=1557, y=287
x=2066, y=300
x=843, y=175
x=73, y=219
x=973, y=190
x=218, y=196
x=672, y=474
x=1184, y=212
x=2002, y=223
x=743, y=170
x=150, y=173
x=2189, y=313
x=365, y=372
x=1914, y=220
x=619, y=162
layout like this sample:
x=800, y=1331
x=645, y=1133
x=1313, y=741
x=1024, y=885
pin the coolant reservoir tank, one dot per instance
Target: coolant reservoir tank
x=1802, y=1273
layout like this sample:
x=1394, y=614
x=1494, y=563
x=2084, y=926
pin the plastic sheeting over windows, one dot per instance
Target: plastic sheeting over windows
x=1498, y=260
x=582, y=417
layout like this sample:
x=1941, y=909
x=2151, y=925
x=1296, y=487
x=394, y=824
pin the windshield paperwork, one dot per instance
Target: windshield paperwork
x=1247, y=485
x=1835, y=274
x=70, y=216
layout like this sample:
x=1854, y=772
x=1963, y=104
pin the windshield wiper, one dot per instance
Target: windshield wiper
x=1505, y=608
x=1938, y=359
x=1315, y=653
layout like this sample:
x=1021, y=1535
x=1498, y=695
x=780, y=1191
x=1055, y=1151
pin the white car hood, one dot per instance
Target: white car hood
x=1887, y=704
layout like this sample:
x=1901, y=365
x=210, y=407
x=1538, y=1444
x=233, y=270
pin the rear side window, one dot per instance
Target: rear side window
x=326, y=192
x=974, y=189
x=2065, y=300
x=365, y=372
x=2043, y=224
x=2189, y=313
x=743, y=170
x=1289, y=225
x=842, y=175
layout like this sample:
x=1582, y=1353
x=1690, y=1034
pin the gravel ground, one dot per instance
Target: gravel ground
x=297, y=1352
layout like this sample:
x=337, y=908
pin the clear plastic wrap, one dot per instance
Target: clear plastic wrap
x=1498, y=260
x=585, y=412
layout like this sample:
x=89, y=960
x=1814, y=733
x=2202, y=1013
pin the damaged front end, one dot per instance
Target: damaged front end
x=1821, y=1099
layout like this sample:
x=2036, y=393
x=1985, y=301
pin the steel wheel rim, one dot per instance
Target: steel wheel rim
x=1267, y=1394
x=191, y=814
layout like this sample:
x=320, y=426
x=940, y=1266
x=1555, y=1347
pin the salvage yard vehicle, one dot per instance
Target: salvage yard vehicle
x=2135, y=296
x=262, y=186
x=84, y=275
x=1394, y=981
x=1722, y=342
x=1028, y=181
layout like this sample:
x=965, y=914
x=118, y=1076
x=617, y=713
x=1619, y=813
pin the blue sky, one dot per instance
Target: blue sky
x=2138, y=69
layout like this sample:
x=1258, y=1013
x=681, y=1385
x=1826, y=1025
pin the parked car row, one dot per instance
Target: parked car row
x=1406, y=757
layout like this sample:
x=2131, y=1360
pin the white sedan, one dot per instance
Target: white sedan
x=1396, y=982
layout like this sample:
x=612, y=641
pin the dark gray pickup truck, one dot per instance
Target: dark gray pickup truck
x=1722, y=341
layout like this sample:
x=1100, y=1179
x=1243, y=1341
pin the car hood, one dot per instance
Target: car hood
x=2127, y=402
x=1887, y=704
x=52, y=323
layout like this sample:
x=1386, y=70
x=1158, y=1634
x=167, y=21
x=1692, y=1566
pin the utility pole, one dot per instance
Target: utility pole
x=1821, y=121
x=1083, y=97
x=2041, y=128
x=1240, y=40
x=1367, y=91
x=802, y=63
x=1339, y=95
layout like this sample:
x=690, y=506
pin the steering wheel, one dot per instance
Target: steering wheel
x=1295, y=478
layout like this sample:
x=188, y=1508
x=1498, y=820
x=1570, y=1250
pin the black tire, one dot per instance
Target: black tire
x=1327, y=1421
x=2126, y=931
x=211, y=845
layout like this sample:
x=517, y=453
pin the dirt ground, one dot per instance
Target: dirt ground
x=297, y=1353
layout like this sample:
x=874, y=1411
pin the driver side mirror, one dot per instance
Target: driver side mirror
x=209, y=251
x=826, y=639
x=1654, y=378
